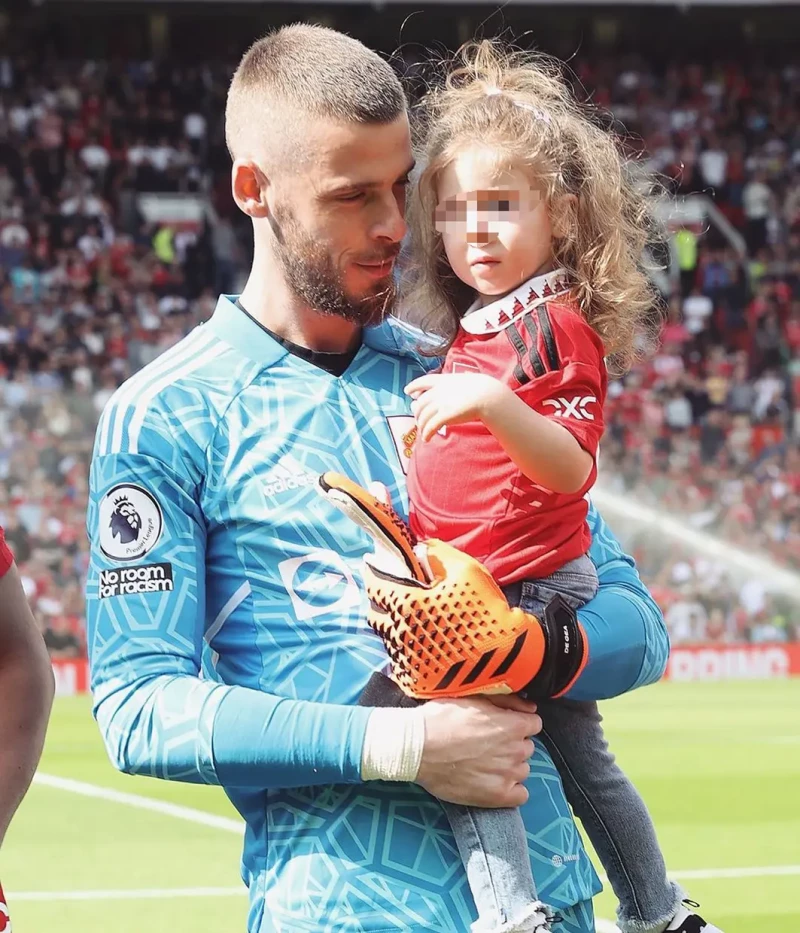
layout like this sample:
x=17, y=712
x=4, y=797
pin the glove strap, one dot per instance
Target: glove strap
x=566, y=652
x=381, y=691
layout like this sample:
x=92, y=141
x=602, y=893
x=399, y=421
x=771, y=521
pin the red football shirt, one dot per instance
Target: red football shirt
x=463, y=487
x=6, y=558
x=5, y=918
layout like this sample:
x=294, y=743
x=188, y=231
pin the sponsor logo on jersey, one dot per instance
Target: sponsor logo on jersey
x=131, y=522
x=403, y=429
x=559, y=860
x=572, y=408
x=319, y=583
x=286, y=476
x=131, y=581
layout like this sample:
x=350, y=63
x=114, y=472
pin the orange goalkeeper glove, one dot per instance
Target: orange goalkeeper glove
x=446, y=625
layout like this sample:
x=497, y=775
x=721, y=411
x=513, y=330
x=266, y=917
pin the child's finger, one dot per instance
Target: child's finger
x=423, y=417
x=423, y=403
x=422, y=384
x=422, y=411
x=433, y=422
x=435, y=427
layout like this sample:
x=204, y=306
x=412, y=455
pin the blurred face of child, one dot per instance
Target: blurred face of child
x=494, y=223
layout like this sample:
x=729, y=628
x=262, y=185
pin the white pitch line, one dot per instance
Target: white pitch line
x=709, y=874
x=126, y=895
x=712, y=874
x=229, y=825
x=143, y=803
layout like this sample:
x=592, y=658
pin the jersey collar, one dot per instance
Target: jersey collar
x=239, y=330
x=493, y=318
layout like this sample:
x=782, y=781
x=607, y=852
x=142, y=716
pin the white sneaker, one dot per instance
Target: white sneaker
x=686, y=921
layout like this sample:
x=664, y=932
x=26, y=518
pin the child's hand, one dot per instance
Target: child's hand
x=453, y=398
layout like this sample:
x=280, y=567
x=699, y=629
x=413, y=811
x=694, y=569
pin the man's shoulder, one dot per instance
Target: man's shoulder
x=179, y=395
x=400, y=338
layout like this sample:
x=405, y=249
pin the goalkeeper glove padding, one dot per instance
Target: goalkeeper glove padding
x=446, y=624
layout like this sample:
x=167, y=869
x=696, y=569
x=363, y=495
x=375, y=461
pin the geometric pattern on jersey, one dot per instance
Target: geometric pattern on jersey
x=227, y=432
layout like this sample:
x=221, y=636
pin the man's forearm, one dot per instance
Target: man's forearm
x=26, y=696
x=270, y=741
x=627, y=642
x=179, y=727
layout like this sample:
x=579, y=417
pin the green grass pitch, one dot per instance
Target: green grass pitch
x=718, y=764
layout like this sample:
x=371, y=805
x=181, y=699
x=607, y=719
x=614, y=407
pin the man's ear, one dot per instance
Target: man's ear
x=249, y=185
x=564, y=215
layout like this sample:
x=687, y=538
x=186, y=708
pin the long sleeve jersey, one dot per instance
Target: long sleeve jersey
x=227, y=634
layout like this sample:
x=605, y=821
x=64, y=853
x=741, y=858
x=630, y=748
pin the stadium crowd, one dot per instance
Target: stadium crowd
x=90, y=290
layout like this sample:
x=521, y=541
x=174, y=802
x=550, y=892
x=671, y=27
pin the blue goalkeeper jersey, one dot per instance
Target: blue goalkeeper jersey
x=227, y=633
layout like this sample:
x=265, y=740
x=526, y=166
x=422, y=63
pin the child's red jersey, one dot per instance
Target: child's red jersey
x=463, y=487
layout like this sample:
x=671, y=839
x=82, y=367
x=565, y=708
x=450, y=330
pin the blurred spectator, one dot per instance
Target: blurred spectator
x=707, y=431
x=89, y=292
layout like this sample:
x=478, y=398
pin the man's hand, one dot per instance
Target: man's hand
x=457, y=636
x=446, y=625
x=475, y=753
x=453, y=398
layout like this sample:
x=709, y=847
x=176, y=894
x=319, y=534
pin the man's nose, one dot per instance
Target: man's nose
x=391, y=223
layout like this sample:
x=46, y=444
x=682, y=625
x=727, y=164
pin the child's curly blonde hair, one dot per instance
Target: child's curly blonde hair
x=519, y=104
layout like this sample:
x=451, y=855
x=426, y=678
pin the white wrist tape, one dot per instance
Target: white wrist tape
x=393, y=745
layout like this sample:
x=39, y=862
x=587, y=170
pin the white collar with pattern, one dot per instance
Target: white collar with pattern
x=493, y=318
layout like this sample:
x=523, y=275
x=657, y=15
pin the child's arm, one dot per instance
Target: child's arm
x=548, y=416
x=545, y=451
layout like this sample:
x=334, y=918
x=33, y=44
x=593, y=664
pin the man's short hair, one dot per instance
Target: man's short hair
x=306, y=70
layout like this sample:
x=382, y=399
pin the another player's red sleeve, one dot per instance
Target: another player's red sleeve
x=570, y=381
x=5, y=918
x=6, y=557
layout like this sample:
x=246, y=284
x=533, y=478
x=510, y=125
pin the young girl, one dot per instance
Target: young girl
x=530, y=234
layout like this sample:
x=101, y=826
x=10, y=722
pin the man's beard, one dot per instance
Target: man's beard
x=310, y=273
